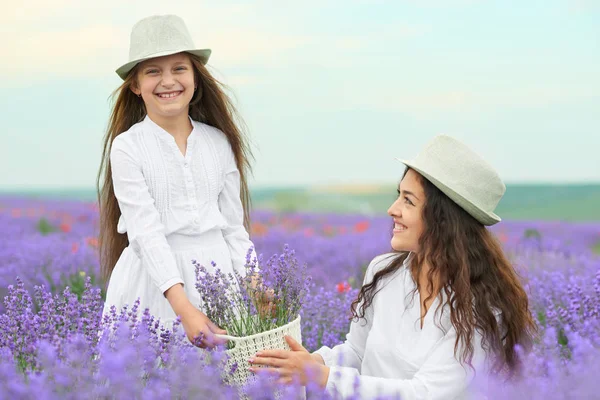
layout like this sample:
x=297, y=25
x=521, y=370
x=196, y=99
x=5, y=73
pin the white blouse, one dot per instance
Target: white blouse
x=391, y=355
x=168, y=200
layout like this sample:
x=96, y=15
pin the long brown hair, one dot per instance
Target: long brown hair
x=476, y=277
x=209, y=105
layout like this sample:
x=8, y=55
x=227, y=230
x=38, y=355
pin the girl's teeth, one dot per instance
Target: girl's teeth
x=164, y=96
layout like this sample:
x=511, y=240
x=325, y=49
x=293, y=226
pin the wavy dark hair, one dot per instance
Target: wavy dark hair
x=476, y=277
x=209, y=105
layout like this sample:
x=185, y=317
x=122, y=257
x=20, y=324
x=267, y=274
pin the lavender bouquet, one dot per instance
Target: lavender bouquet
x=259, y=301
x=257, y=309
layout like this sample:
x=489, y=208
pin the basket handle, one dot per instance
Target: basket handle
x=226, y=337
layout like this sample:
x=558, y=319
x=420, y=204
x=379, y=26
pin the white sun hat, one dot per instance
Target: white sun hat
x=465, y=177
x=157, y=36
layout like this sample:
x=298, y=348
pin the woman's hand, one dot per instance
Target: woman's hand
x=297, y=364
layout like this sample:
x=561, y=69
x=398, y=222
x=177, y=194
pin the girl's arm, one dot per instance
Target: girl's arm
x=145, y=230
x=194, y=321
x=147, y=239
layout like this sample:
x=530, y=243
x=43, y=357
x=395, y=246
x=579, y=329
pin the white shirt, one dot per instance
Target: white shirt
x=391, y=355
x=170, y=201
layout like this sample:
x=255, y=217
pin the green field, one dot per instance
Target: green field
x=539, y=202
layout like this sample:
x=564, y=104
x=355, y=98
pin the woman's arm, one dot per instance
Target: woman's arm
x=440, y=377
x=350, y=352
x=298, y=361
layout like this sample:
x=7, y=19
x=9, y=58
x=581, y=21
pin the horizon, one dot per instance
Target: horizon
x=317, y=186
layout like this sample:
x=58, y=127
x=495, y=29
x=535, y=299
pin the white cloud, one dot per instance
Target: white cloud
x=69, y=39
x=27, y=13
x=83, y=52
x=421, y=104
x=242, y=46
x=584, y=5
x=65, y=38
x=424, y=104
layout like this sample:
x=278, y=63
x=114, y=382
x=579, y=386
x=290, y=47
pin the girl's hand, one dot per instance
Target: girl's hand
x=200, y=330
x=297, y=364
x=194, y=321
x=263, y=298
x=265, y=303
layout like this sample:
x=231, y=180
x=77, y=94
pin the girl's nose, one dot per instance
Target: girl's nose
x=167, y=80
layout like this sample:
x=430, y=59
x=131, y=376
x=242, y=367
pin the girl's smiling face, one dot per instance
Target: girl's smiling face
x=166, y=85
x=407, y=213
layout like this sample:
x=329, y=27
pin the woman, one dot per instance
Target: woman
x=447, y=304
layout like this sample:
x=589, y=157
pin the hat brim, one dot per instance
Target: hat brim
x=486, y=218
x=123, y=70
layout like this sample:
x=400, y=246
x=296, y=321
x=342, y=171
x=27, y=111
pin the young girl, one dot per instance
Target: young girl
x=445, y=305
x=174, y=179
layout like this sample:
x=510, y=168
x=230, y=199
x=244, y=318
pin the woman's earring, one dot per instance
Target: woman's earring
x=139, y=95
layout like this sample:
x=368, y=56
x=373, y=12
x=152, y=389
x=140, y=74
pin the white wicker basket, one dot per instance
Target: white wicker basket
x=246, y=347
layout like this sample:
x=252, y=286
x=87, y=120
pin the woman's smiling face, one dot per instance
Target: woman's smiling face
x=406, y=212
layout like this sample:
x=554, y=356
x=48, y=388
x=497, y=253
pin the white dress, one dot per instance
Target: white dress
x=174, y=209
x=391, y=355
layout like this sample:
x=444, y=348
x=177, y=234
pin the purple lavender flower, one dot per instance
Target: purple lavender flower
x=54, y=343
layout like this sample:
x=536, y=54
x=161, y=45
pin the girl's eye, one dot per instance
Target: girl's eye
x=407, y=200
x=151, y=71
x=180, y=69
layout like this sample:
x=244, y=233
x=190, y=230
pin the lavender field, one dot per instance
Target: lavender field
x=50, y=319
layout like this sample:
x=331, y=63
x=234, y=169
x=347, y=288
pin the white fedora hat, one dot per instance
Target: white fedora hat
x=157, y=36
x=462, y=175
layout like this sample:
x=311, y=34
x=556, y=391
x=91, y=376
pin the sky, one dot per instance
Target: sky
x=332, y=91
